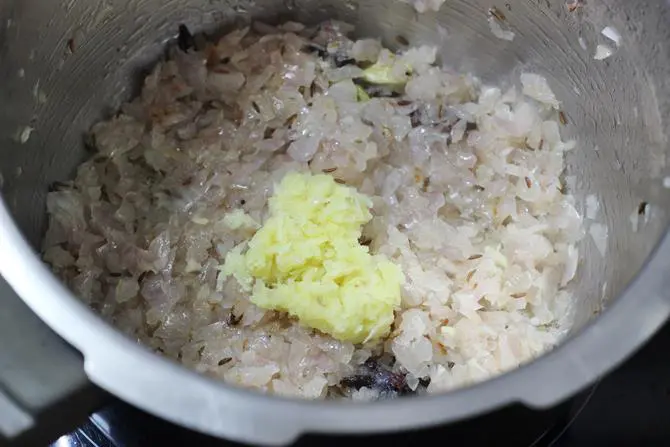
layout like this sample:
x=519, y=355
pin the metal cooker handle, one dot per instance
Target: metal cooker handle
x=44, y=391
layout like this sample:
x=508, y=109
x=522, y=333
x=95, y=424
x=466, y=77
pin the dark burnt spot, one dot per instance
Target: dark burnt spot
x=104, y=196
x=377, y=376
x=89, y=142
x=58, y=186
x=224, y=361
x=185, y=39
x=495, y=12
x=469, y=127
x=341, y=62
x=357, y=382
x=234, y=320
x=170, y=194
x=426, y=184
x=415, y=118
x=447, y=128
x=376, y=91
x=314, y=48
x=366, y=241
x=209, y=105
x=71, y=46
x=574, y=5
x=290, y=120
x=402, y=40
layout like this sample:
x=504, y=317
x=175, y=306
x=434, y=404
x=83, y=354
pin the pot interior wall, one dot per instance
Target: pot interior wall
x=65, y=65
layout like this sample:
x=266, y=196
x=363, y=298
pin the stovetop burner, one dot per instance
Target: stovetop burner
x=631, y=406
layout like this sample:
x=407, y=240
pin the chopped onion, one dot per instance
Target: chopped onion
x=582, y=43
x=602, y=52
x=599, y=235
x=498, y=30
x=592, y=206
x=612, y=34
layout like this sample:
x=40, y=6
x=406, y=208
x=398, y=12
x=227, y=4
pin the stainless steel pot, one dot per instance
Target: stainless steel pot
x=64, y=65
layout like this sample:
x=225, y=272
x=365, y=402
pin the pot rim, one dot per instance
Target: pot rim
x=135, y=374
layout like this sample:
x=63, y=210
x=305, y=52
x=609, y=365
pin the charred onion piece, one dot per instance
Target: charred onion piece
x=185, y=39
x=376, y=376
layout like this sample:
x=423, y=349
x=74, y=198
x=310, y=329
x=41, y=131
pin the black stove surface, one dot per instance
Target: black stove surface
x=631, y=406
